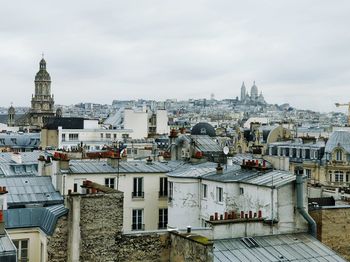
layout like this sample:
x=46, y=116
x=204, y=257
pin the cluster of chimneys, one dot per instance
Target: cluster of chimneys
x=60, y=156
x=254, y=163
x=233, y=215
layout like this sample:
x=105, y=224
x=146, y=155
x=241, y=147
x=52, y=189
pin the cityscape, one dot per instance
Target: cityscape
x=148, y=159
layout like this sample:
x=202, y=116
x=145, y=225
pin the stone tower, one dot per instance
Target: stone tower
x=11, y=116
x=243, y=92
x=42, y=101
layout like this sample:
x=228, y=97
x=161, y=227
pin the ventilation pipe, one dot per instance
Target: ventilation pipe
x=300, y=202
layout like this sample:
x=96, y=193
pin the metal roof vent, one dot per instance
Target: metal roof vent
x=250, y=242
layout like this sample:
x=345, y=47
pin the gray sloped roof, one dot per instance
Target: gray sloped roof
x=16, y=140
x=338, y=139
x=7, y=248
x=288, y=247
x=234, y=173
x=27, y=157
x=30, y=190
x=43, y=217
x=101, y=166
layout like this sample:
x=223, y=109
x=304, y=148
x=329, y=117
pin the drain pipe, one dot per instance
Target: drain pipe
x=300, y=202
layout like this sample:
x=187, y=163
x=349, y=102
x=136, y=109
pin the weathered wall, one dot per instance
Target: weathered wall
x=101, y=221
x=143, y=247
x=57, y=243
x=333, y=228
x=195, y=248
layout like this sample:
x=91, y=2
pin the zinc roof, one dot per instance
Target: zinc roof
x=7, y=248
x=234, y=173
x=43, y=217
x=288, y=247
x=101, y=166
x=30, y=190
x=27, y=157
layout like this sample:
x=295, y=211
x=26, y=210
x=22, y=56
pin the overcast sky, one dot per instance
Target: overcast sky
x=96, y=51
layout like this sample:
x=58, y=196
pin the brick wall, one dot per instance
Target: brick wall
x=57, y=243
x=333, y=228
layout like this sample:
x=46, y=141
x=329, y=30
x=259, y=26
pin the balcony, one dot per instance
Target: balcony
x=138, y=227
x=138, y=194
x=163, y=194
x=162, y=225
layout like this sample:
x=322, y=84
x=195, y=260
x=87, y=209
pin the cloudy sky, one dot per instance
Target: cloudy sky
x=97, y=51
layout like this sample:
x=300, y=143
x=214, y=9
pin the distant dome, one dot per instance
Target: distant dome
x=254, y=91
x=338, y=139
x=203, y=128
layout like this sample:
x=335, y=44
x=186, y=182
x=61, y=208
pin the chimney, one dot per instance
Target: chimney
x=219, y=169
x=64, y=162
x=41, y=165
x=149, y=161
x=3, y=206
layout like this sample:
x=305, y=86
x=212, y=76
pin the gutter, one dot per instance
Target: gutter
x=300, y=202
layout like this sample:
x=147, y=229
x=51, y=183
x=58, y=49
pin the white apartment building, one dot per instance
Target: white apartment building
x=235, y=201
x=143, y=123
x=144, y=185
x=71, y=133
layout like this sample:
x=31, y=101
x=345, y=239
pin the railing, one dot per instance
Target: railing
x=138, y=194
x=136, y=227
x=163, y=194
x=162, y=225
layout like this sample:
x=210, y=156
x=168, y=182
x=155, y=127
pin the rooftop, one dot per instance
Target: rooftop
x=30, y=190
x=101, y=166
x=289, y=247
x=43, y=217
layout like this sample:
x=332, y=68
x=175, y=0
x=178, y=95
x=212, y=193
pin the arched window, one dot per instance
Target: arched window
x=339, y=155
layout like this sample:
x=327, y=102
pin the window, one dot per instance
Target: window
x=204, y=190
x=339, y=155
x=241, y=191
x=338, y=176
x=109, y=182
x=101, y=135
x=308, y=173
x=63, y=137
x=219, y=194
x=347, y=176
x=73, y=137
x=22, y=250
x=163, y=218
x=170, y=190
x=108, y=136
x=115, y=136
x=138, y=187
x=137, y=219
x=330, y=176
x=163, y=187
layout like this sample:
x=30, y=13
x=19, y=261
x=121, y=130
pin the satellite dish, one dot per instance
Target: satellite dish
x=225, y=150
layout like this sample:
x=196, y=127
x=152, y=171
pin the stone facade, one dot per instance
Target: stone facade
x=333, y=228
x=101, y=222
x=57, y=243
x=143, y=247
x=190, y=248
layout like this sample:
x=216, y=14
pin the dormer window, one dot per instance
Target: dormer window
x=339, y=155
